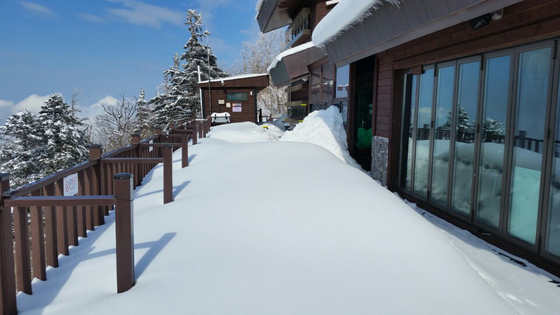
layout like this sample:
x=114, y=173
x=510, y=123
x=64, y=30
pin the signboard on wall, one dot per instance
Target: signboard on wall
x=71, y=185
x=236, y=108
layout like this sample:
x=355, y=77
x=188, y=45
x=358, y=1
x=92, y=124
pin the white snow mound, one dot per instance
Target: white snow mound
x=323, y=128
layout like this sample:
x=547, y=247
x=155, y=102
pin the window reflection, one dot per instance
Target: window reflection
x=496, y=88
x=442, y=133
x=466, y=109
x=425, y=99
x=342, y=81
x=532, y=93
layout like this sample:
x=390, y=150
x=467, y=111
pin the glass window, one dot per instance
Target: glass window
x=236, y=96
x=327, y=84
x=442, y=133
x=423, y=129
x=532, y=94
x=315, y=86
x=409, y=110
x=342, y=81
x=494, y=112
x=553, y=229
x=465, y=117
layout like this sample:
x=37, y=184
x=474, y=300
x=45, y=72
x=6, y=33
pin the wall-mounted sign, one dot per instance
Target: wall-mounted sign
x=228, y=105
x=221, y=102
x=71, y=185
x=236, y=109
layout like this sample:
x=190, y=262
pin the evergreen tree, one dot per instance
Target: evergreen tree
x=20, y=149
x=197, y=55
x=62, y=135
x=169, y=106
x=464, y=125
x=143, y=116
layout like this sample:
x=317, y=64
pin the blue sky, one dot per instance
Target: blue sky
x=104, y=48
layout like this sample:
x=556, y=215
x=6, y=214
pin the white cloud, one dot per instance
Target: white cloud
x=140, y=13
x=4, y=103
x=32, y=103
x=90, y=17
x=96, y=109
x=38, y=9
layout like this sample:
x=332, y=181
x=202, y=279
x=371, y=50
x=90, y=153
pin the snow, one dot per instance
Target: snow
x=288, y=52
x=323, y=128
x=342, y=17
x=284, y=227
x=242, y=76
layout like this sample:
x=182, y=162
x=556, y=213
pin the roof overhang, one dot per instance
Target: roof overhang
x=385, y=26
x=244, y=81
x=273, y=14
x=292, y=63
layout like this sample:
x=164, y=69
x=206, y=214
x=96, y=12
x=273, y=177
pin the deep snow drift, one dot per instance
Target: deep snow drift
x=269, y=227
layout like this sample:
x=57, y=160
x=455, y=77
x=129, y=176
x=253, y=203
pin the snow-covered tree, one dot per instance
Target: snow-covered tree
x=114, y=127
x=197, y=55
x=143, y=116
x=169, y=106
x=492, y=127
x=180, y=99
x=464, y=124
x=62, y=135
x=257, y=56
x=20, y=148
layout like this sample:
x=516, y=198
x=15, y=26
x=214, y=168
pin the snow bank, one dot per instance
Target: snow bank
x=323, y=128
x=343, y=17
x=245, y=132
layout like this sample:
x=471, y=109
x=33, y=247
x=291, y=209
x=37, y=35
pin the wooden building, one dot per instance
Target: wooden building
x=235, y=95
x=464, y=109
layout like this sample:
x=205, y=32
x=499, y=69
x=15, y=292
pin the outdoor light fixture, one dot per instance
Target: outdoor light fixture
x=485, y=19
x=481, y=21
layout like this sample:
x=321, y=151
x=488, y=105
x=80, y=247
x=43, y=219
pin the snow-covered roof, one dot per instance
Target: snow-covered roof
x=342, y=17
x=289, y=52
x=242, y=76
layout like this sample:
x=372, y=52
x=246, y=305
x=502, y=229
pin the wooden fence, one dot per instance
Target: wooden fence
x=57, y=221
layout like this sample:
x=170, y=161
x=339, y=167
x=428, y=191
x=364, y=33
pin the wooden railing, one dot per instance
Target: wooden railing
x=56, y=222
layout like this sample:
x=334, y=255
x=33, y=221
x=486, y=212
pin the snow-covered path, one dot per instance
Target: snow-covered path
x=261, y=227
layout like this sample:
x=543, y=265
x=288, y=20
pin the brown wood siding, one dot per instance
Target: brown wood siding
x=318, y=11
x=247, y=107
x=524, y=22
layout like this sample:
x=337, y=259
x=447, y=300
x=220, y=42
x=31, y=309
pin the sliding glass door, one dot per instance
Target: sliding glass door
x=482, y=138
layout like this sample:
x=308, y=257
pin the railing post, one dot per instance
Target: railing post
x=61, y=222
x=124, y=231
x=157, y=131
x=38, y=240
x=194, y=136
x=95, y=151
x=167, y=174
x=8, y=302
x=185, y=150
x=51, y=239
x=135, y=141
x=21, y=237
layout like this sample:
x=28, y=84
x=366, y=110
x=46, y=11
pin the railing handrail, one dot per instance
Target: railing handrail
x=45, y=181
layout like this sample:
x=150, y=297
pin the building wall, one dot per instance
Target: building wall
x=525, y=22
x=248, y=112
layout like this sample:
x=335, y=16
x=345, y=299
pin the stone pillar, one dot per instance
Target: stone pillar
x=379, y=158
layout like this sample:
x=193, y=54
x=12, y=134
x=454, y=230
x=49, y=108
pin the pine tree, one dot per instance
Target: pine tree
x=62, y=134
x=143, y=116
x=197, y=55
x=464, y=125
x=20, y=149
x=169, y=106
